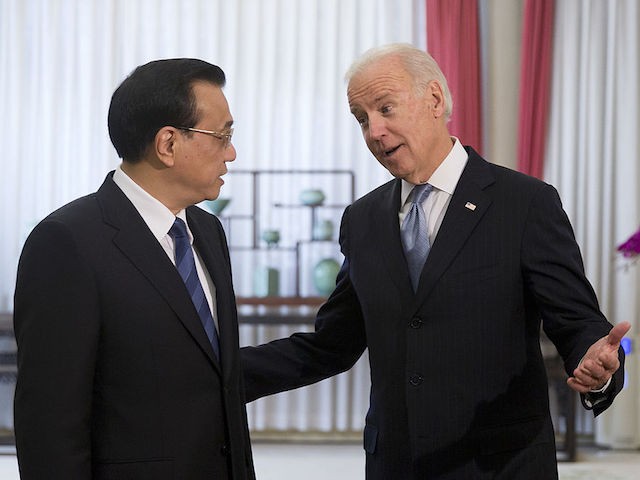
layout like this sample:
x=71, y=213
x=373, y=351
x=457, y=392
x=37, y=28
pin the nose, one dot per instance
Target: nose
x=376, y=128
x=230, y=153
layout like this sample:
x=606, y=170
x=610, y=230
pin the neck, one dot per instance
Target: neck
x=436, y=157
x=150, y=179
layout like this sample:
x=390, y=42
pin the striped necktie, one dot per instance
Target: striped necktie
x=186, y=266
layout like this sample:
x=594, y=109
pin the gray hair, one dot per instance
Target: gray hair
x=419, y=65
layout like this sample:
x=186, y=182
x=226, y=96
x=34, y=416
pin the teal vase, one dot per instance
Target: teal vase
x=322, y=230
x=324, y=276
x=266, y=282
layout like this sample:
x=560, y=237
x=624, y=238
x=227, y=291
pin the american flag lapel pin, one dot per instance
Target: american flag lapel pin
x=470, y=206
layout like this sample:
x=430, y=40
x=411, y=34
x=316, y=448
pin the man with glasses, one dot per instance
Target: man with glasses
x=124, y=309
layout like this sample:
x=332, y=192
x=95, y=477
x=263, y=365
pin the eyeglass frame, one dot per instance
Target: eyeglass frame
x=225, y=136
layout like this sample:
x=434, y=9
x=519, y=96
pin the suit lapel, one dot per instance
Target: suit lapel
x=137, y=243
x=391, y=245
x=468, y=205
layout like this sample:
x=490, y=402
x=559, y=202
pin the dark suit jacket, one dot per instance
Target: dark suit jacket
x=458, y=384
x=116, y=377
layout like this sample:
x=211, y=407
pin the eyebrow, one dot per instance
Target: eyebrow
x=382, y=97
x=376, y=101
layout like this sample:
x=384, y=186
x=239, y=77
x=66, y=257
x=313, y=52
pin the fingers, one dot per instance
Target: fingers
x=577, y=386
x=588, y=385
x=600, y=362
x=606, y=360
x=595, y=373
x=591, y=369
x=617, y=332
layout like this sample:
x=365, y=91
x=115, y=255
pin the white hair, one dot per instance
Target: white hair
x=419, y=65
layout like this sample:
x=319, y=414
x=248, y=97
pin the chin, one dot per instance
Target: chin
x=394, y=166
x=390, y=166
x=213, y=194
x=397, y=172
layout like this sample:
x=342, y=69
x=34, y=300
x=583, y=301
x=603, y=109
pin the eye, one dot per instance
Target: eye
x=386, y=109
x=361, y=119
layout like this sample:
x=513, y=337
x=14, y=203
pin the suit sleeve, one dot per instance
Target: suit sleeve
x=56, y=323
x=304, y=358
x=554, y=272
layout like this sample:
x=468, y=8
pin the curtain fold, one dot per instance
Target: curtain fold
x=453, y=39
x=285, y=60
x=535, y=80
x=592, y=159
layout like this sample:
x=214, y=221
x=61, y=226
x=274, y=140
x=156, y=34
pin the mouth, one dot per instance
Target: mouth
x=390, y=152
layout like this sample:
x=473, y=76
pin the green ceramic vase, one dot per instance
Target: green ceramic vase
x=324, y=276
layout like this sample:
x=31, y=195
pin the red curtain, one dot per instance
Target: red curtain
x=535, y=85
x=453, y=41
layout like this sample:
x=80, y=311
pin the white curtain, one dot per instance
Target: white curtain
x=60, y=61
x=593, y=147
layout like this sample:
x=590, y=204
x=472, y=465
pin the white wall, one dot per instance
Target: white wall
x=502, y=26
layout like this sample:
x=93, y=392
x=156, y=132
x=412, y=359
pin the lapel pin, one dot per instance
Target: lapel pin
x=470, y=206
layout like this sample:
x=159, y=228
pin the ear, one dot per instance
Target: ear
x=166, y=143
x=435, y=97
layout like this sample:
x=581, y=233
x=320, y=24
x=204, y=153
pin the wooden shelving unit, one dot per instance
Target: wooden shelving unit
x=254, y=217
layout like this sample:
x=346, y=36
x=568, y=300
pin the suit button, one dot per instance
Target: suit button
x=224, y=450
x=416, y=322
x=416, y=379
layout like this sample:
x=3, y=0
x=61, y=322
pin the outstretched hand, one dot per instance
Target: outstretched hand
x=600, y=362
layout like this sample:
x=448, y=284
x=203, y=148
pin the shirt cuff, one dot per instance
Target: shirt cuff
x=594, y=397
x=601, y=390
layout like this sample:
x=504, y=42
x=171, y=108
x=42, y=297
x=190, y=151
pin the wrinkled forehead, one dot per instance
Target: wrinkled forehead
x=384, y=77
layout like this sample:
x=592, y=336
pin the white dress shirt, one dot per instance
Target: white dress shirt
x=444, y=181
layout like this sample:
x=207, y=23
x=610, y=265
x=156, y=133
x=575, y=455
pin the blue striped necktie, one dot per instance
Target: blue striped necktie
x=186, y=266
x=415, y=235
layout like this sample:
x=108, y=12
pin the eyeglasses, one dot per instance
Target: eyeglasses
x=224, y=136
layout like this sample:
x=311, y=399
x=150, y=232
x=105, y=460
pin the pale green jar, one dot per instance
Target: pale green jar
x=324, y=276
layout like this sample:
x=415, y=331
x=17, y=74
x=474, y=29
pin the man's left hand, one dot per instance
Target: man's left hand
x=600, y=362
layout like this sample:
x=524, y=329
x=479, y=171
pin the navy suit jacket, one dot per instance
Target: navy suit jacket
x=458, y=383
x=116, y=377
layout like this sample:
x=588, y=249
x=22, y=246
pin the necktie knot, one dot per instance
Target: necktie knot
x=178, y=229
x=421, y=192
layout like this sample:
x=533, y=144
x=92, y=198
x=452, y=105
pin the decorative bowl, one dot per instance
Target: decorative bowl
x=312, y=197
x=218, y=205
x=272, y=237
x=322, y=230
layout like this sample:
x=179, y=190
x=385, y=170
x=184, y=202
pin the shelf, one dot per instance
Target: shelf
x=302, y=205
x=276, y=311
x=247, y=248
x=249, y=226
x=281, y=301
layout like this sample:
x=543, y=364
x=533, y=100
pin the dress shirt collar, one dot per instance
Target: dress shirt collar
x=446, y=176
x=158, y=218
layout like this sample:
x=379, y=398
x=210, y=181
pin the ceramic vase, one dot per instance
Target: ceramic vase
x=325, y=273
x=266, y=282
x=323, y=230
